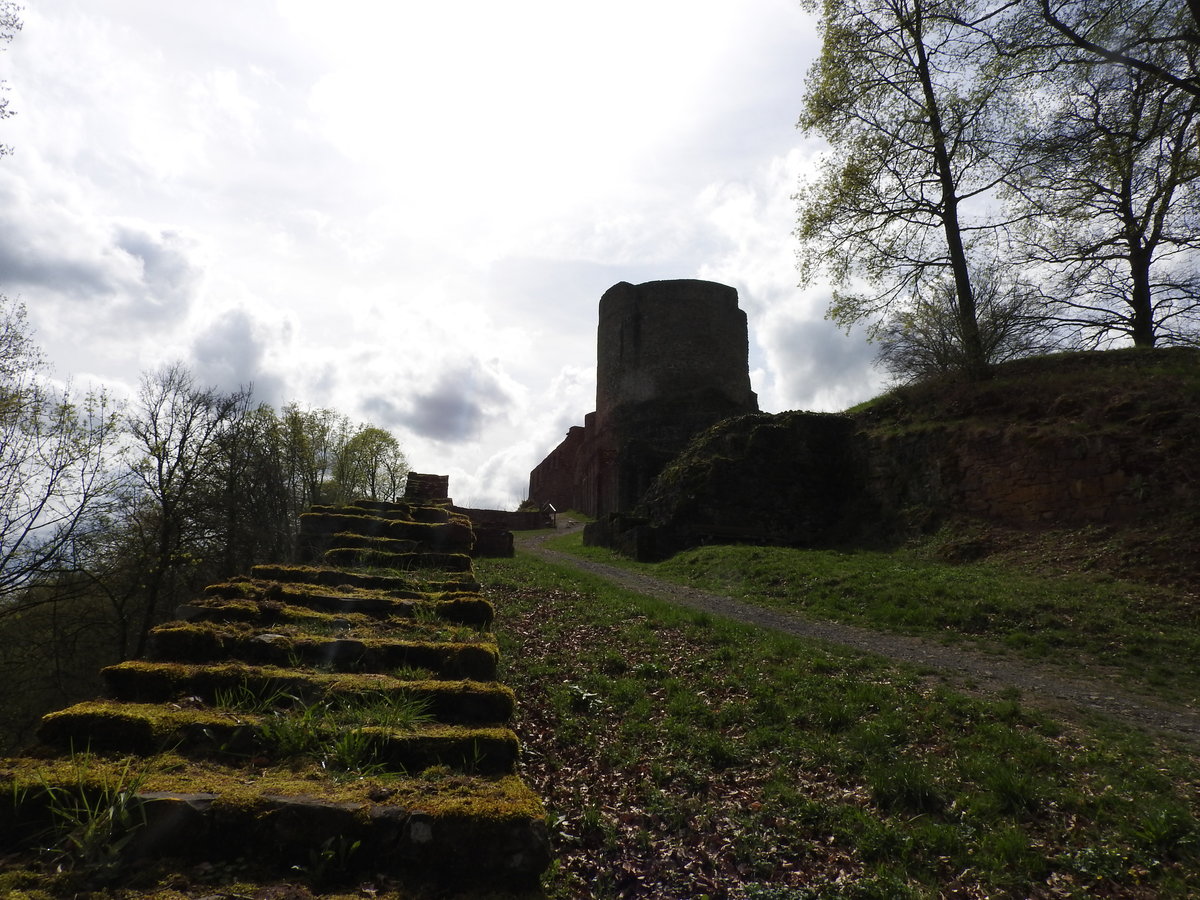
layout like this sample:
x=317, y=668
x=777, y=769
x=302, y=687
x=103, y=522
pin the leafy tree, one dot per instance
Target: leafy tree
x=371, y=465
x=54, y=474
x=257, y=509
x=316, y=439
x=1108, y=190
x=903, y=94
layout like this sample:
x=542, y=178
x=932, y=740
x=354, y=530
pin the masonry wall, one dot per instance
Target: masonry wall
x=1025, y=476
x=811, y=479
x=558, y=478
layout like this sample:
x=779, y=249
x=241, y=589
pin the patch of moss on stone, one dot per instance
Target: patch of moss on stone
x=153, y=682
x=403, y=562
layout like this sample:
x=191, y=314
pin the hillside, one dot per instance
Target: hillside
x=1076, y=459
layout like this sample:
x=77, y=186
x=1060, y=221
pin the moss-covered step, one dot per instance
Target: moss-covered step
x=350, y=557
x=448, y=701
x=317, y=531
x=419, y=623
x=294, y=621
x=208, y=642
x=440, y=826
x=349, y=541
x=147, y=729
x=463, y=607
x=411, y=585
x=385, y=510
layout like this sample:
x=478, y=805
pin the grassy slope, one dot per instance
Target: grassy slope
x=1148, y=634
x=683, y=756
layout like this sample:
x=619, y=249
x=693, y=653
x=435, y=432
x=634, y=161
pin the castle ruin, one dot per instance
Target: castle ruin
x=672, y=359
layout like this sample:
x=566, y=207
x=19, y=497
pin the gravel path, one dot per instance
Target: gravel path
x=1043, y=685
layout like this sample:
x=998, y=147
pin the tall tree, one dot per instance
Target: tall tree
x=371, y=465
x=258, y=517
x=903, y=94
x=1109, y=190
x=177, y=427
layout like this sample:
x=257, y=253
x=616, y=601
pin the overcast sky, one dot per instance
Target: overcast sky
x=408, y=211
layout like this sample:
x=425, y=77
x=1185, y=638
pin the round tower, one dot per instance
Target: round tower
x=672, y=359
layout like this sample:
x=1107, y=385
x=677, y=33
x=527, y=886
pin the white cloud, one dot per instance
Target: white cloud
x=405, y=211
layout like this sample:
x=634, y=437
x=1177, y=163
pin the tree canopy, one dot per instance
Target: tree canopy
x=992, y=147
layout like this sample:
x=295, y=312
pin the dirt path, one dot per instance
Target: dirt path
x=1041, y=685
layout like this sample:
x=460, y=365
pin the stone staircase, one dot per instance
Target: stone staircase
x=345, y=707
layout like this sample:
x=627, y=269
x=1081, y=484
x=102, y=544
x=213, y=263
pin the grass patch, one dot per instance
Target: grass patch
x=1140, y=630
x=682, y=755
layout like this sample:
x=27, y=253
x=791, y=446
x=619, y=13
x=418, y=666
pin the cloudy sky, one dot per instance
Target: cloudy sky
x=408, y=211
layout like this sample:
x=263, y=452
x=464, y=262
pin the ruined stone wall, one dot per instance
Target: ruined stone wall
x=426, y=488
x=809, y=479
x=557, y=478
x=1024, y=476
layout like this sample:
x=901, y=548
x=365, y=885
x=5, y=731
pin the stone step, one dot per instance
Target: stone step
x=198, y=730
x=208, y=642
x=467, y=702
x=312, y=710
x=409, y=586
x=350, y=541
x=317, y=530
x=352, y=557
x=440, y=827
x=404, y=512
x=259, y=600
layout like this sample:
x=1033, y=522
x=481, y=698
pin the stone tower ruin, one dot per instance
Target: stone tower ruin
x=671, y=361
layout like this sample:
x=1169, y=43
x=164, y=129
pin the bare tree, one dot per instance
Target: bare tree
x=925, y=339
x=54, y=476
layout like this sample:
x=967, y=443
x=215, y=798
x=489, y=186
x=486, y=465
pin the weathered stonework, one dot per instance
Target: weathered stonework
x=1044, y=460
x=671, y=361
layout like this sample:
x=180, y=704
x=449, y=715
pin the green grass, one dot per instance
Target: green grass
x=1150, y=634
x=682, y=755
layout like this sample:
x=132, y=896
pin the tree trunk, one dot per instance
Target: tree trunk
x=1140, y=299
x=974, y=358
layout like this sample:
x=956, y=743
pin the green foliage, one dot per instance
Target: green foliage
x=93, y=826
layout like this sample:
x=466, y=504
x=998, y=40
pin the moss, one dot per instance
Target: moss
x=238, y=787
x=143, y=728
x=138, y=680
x=401, y=561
